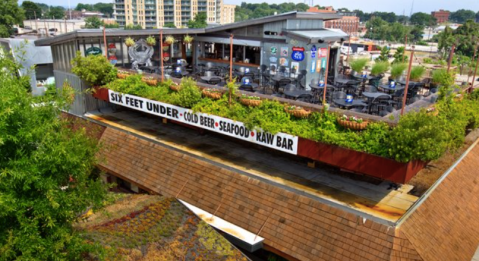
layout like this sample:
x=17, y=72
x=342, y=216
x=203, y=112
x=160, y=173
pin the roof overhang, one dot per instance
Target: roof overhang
x=91, y=33
x=240, y=236
x=317, y=35
x=274, y=18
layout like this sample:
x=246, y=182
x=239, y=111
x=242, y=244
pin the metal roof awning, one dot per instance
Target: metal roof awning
x=318, y=36
x=239, y=236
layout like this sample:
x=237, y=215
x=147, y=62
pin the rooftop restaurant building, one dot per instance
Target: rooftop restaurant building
x=292, y=197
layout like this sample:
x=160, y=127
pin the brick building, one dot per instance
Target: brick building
x=441, y=16
x=349, y=22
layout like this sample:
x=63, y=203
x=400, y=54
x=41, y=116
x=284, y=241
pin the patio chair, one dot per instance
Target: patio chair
x=263, y=68
x=305, y=98
x=282, y=69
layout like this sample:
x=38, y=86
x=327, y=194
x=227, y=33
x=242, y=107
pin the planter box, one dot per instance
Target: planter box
x=100, y=93
x=359, y=162
x=343, y=158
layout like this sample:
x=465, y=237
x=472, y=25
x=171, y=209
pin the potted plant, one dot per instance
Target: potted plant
x=96, y=71
x=121, y=74
x=379, y=68
x=252, y=101
x=352, y=122
x=416, y=73
x=150, y=40
x=357, y=65
x=188, y=39
x=169, y=39
x=129, y=42
x=397, y=70
x=297, y=111
x=214, y=94
x=149, y=80
x=175, y=87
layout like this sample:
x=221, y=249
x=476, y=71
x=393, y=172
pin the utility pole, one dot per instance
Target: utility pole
x=475, y=71
x=326, y=75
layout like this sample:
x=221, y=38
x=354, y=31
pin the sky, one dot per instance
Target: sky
x=397, y=6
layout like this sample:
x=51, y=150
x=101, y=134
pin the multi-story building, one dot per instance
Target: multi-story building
x=156, y=13
x=349, y=22
x=441, y=16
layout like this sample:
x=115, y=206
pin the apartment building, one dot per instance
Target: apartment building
x=156, y=13
x=441, y=16
x=348, y=22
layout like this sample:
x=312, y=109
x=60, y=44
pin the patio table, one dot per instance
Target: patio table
x=389, y=89
x=348, y=105
x=209, y=78
x=346, y=81
x=374, y=95
x=296, y=93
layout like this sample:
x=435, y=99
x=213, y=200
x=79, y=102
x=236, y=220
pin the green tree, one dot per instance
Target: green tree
x=81, y=6
x=462, y=15
x=105, y=8
x=55, y=12
x=422, y=19
x=416, y=33
x=93, y=22
x=133, y=27
x=46, y=178
x=170, y=25
x=32, y=10
x=113, y=25
x=199, y=21
x=10, y=14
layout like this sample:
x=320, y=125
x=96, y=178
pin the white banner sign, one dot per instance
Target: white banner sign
x=279, y=141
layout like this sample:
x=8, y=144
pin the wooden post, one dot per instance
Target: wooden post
x=405, y=48
x=161, y=56
x=407, y=81
x=231, y=57
x=326, y=74
x=46, y=29
x=104, y=41
x=451, y=54
x=474, y=77
x=36, y=24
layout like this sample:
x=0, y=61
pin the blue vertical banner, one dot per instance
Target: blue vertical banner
x=313, y=66
x=313, y=51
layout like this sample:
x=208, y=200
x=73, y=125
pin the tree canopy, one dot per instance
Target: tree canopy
x=378, y=29
x=46, y=178
x=32, y=10
x=93, y=22
x=248, y=11
x=423, y=19
x=10, y=14
x=462, y=15
x=169, y=25
x=199, y=21
x=55, y=12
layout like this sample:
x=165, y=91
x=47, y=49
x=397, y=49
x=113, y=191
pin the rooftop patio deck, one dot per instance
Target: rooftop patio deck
x=369, y=198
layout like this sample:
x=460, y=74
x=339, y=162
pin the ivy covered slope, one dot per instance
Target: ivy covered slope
x=418, y=135
x=145, y=227
x=46, y=177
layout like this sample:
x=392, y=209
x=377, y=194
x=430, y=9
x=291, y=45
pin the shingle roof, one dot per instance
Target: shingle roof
x=443, y=227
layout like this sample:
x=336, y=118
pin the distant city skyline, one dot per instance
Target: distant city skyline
x=397, y=7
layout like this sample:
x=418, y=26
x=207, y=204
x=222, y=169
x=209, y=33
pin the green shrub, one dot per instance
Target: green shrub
x=397, y=70
x=95, y=70
x=417, y=72
x=380, y=68
x=442, y=77
x=418, y=135
x=188, y=95
x=422, y=43
x=358, y=64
